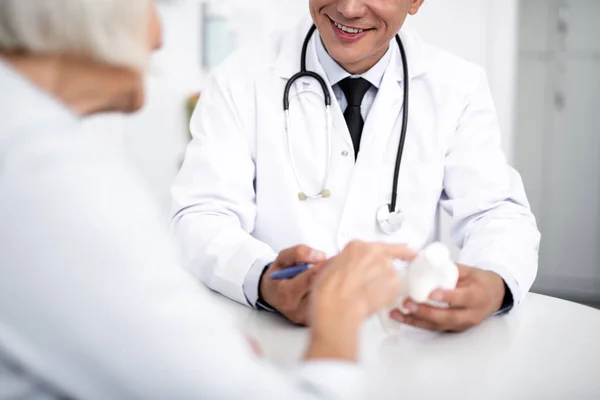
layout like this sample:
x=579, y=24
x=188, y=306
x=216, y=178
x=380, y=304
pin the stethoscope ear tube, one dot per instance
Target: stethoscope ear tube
x=305, y=74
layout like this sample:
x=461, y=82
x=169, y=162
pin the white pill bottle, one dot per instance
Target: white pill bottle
x=432, y=269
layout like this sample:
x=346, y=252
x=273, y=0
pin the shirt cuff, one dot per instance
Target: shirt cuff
x=252, y=282
x=508, y=301
x=333, y=379
x=512, y=292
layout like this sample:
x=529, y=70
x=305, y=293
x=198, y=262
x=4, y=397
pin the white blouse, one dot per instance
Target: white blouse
x=93, y=303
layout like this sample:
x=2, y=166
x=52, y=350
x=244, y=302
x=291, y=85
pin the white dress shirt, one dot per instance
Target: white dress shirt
x=93, y=303
x=336, y=73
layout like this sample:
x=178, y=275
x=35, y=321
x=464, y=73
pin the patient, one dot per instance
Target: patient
x=93, y=304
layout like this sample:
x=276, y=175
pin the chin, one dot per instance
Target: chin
x=138, y=104
x=344, y=57
x=345, y=54
x=136, y=101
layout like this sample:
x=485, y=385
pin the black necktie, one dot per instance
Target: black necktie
x=354, y=89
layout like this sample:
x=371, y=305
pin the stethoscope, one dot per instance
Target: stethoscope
x=389, y=219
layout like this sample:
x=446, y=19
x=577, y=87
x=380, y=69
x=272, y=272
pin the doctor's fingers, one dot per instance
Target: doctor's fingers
x=444, y=319
x=300, y=315
x=463, y=297
x=397, y=316
x=427, y=324
x=304, y=281
x=291, y=292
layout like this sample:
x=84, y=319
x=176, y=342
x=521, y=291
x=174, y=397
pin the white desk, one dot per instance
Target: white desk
x=546, y=348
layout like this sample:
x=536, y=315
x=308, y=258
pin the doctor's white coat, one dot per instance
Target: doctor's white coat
x=236, y=197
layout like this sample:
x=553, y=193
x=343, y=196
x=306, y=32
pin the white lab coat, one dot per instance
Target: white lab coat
x=93, y=303
x=236, y=197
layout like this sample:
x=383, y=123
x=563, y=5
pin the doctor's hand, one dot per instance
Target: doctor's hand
x=478, y=295
x=290, y=297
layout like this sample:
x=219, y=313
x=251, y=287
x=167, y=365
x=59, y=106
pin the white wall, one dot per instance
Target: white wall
x=155, y=138
x=559, y=99
x=482, y=31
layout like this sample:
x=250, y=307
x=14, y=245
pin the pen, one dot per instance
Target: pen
x=291, y=272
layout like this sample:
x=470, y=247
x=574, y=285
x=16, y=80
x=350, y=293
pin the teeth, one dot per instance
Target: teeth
x=349, y=30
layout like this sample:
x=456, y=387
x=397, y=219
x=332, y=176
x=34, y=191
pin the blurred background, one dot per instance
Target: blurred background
x=543, y=63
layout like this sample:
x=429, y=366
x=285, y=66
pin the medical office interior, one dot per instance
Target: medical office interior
x=542, y=58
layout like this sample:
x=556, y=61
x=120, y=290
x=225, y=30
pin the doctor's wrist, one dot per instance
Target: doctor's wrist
x=508, y=301
x=261, y=302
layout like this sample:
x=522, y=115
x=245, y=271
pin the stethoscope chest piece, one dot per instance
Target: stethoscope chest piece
x=389, y=222
x=323, y=194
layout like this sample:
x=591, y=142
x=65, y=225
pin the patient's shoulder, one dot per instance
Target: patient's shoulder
x=62, y=179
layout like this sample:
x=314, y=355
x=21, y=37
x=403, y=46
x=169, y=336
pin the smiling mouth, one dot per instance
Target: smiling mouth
x=348, y=33
x=348, y=29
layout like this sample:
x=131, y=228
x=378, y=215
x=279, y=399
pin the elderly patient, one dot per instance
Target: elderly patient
x=92, y=302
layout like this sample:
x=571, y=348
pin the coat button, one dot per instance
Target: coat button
x=345, y=153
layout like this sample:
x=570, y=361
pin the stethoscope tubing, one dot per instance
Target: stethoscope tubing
x=327, y=99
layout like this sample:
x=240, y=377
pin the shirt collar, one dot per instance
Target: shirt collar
x=336, y=74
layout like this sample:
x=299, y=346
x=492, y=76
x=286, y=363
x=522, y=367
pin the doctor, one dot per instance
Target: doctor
x=401, y=140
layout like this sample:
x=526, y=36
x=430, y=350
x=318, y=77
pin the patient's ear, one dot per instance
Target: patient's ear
x=415, y=6
x=155, y=31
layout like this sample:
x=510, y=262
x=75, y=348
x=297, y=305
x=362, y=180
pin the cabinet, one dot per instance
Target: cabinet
x=557, y=140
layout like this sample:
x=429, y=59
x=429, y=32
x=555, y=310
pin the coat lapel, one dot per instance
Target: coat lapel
x=387, y=106
x=386, y=112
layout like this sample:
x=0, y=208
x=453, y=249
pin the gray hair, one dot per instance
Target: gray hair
x=111, y=31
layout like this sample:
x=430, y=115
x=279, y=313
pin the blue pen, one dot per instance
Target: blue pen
x=291, y=272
